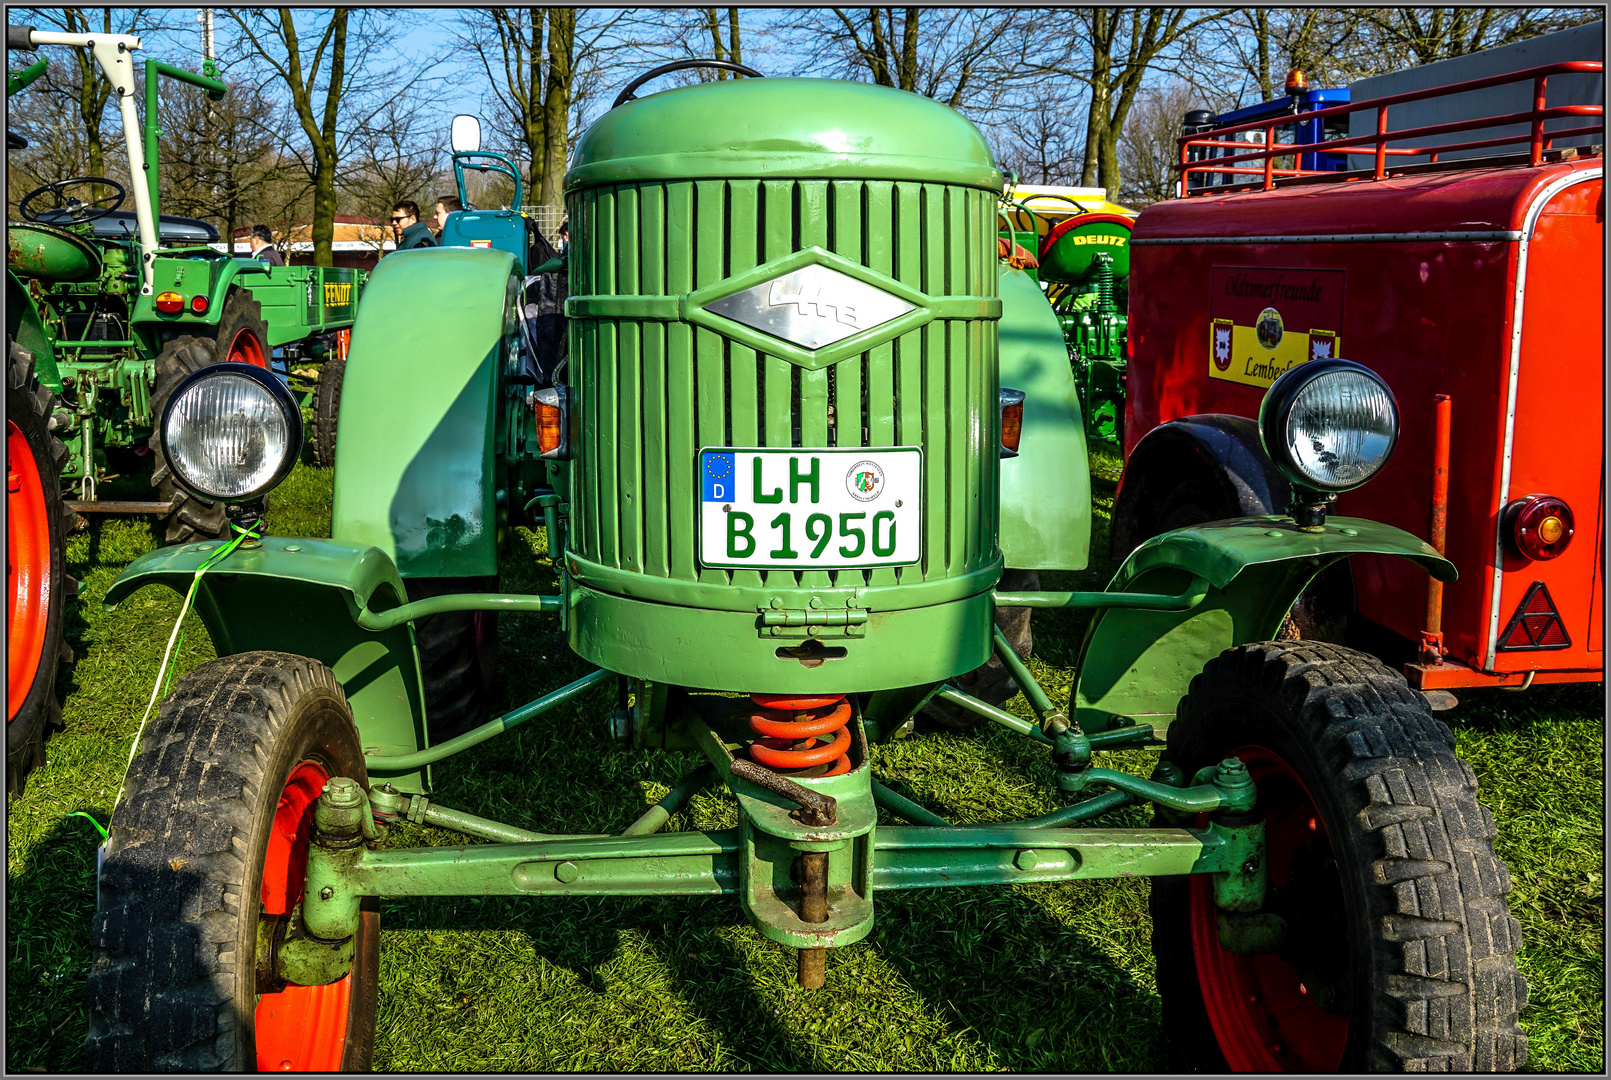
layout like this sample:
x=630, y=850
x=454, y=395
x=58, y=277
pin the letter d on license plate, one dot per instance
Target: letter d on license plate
x=810, y=509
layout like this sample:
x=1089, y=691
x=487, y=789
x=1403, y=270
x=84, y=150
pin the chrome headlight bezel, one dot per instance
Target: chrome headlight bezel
x=1275, y=416
x=282, y=398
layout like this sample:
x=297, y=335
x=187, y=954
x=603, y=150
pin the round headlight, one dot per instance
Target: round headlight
x=231, y=432
x=1329, y=425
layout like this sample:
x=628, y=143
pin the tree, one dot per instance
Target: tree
x=334, y=87
x=46, y=114
x=393, y=158
x=731, y=51
x=1325, y=43
x=219, y=160
x=1042, y=138
x=953, y=55
x=1111, y=57
x=91, y=90
x=1426, y=35
x=1147, y=149
x=540, y=64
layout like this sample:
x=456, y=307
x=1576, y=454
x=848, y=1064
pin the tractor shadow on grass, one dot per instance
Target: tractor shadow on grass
x=50, y=900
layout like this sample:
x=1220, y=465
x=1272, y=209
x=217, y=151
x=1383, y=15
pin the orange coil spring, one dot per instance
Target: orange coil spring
x=789, y=726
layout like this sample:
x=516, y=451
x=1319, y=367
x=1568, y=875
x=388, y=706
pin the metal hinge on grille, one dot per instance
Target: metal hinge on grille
x=816, y=621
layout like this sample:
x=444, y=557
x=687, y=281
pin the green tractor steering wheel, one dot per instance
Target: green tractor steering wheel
x=78, y=212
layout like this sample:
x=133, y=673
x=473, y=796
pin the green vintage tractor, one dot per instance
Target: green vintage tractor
x=807, y=417
x=1083, y=263
x=107, y=310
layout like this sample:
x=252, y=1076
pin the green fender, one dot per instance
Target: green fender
x=1137, y=664
x=303, y=596
x=415, y=441
x=1046, y=489
x=27, y=329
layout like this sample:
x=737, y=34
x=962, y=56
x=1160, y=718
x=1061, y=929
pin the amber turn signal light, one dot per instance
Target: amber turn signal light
x=169, y=303
x=1538, y=527
x=1012, y=421
x=551, y=407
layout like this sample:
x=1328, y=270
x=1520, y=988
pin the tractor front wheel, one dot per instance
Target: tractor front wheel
x=1398, y=952
x=37, y=522
x=326, y=410
x=190, y=518
x=211, y=835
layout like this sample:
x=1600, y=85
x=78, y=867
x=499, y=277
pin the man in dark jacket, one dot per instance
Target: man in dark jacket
x=407, y=228
x=263, y=249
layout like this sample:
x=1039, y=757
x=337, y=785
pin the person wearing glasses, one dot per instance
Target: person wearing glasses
x=407, y=228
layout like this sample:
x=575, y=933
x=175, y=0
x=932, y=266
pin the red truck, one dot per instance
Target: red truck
x=1475, y=286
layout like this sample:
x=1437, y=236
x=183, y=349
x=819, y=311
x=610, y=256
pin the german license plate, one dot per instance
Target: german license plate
x=810, y=509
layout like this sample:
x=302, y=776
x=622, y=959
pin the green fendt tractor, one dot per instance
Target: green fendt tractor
x=107, y=311
x=806, y=417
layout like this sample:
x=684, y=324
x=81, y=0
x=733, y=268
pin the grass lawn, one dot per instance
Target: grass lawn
x=1030, y=978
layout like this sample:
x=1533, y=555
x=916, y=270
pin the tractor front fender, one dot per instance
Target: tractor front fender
x=304, y=596
x=1135, y=664
x=27, y=328
x=1046, y=489
x=415, y=444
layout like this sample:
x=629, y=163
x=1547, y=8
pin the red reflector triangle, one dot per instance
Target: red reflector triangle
x=1518, y=637
x=1536, y=624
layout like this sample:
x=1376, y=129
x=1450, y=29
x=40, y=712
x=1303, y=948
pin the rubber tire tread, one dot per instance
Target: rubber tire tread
x=460, y=680
x=326, y=411
x=191, y=518
x=30, y=405
x=241, y=312
x=991, y=682
x=172, y=966
x=1411, y=827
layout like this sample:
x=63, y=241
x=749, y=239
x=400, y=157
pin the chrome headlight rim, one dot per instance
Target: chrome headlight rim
x=283, y=399
x=1275, y=411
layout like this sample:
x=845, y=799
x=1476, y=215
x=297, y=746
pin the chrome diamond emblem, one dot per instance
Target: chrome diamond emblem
x=811, y=307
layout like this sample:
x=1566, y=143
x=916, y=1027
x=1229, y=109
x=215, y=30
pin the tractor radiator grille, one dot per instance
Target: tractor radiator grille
x=653, y=392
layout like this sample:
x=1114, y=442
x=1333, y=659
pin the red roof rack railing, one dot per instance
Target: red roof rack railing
x=1376, y=146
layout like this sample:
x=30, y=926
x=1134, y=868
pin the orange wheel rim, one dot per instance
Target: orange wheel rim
x=1264, y=1018
x=247, y=349
x=27, y=569
x=300, y=1028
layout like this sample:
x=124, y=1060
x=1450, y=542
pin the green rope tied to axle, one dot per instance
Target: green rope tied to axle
x=176, y=639
x=99, y=827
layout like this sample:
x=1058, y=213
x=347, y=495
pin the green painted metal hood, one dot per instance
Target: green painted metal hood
x=783, y=128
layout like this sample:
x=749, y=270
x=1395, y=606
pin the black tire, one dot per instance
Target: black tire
x=1381, y=860
x=29, y=407
x=991, y=682
x=242, y=315
x=173, y=983
x=191, y=518
x=458, y=657
x=326, y=411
